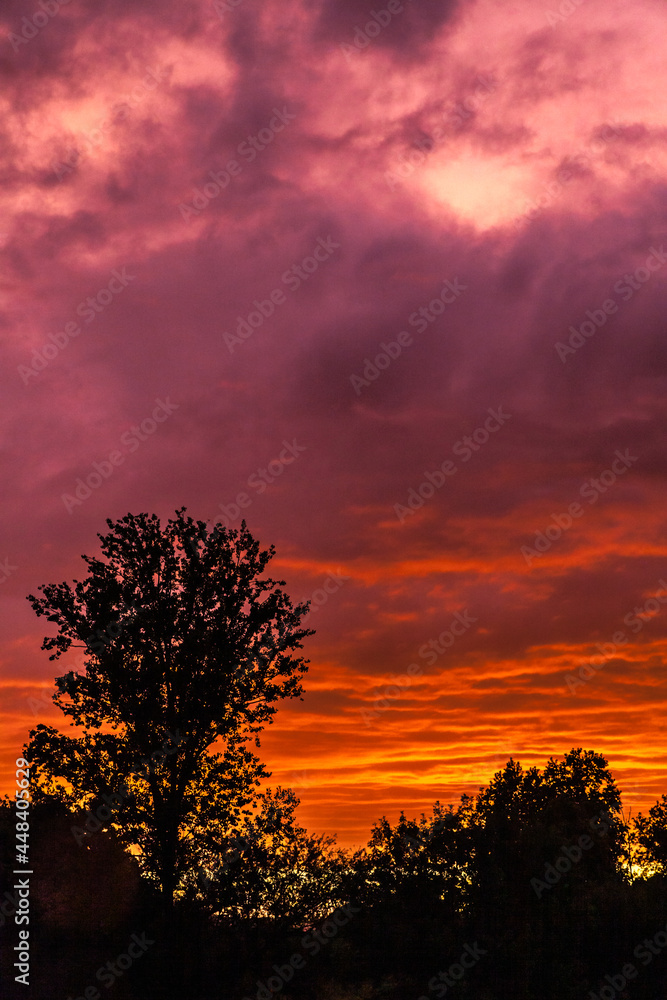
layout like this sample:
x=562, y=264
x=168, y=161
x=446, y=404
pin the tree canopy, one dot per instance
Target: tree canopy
x=188, y=647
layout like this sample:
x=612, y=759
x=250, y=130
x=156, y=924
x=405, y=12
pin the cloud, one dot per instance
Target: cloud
x=485, y=204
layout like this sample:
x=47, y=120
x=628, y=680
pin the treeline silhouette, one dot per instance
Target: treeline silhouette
x=160, y=871
x=538, y=887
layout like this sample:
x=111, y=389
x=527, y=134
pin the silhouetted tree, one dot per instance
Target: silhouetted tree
x=187, y=650
x=506, y=869
x=531, y=872
x=524, y=819
x=416, y=865
x=273, y=869
x=410, y=881
x=650, y=834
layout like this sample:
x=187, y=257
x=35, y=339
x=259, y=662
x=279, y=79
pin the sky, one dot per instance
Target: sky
x=389, y=282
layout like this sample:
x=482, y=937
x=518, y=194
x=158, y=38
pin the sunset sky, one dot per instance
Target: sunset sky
x=505, y=163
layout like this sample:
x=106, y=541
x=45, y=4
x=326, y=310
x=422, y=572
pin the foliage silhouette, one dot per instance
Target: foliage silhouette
x=188, y=648
x=651, y=836
x=273, y=869
x=422, y=892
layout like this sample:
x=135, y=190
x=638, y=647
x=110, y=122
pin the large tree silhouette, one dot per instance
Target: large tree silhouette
x=187, y=650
